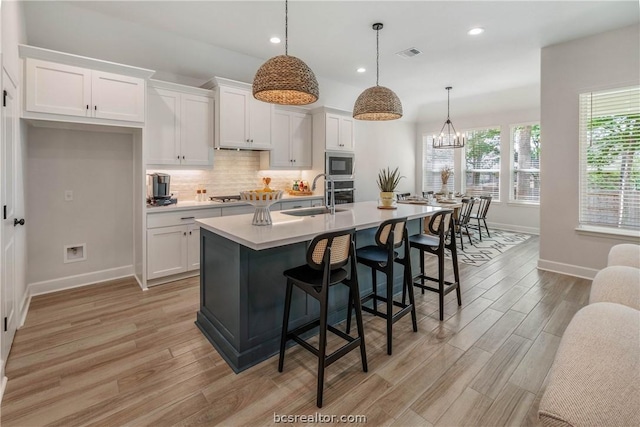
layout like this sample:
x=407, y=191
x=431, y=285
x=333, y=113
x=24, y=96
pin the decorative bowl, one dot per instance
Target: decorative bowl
x=261, y=200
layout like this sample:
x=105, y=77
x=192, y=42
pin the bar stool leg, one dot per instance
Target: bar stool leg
x=389, y=310
x=349, y=308
x=374, y=284
x=355, y=294
x=441, y=284
x=322, y=346
x=285, y=324
x=422, y=269
x=408, y=285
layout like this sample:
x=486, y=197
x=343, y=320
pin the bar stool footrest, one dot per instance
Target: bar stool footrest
x=406, y=308
x=352, y=342
x=451, y=286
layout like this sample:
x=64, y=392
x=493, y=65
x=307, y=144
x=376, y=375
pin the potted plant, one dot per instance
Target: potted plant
x=387, y=182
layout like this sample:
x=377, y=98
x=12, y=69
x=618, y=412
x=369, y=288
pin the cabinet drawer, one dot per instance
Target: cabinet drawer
x=168, y=219
x=237, y=210
x=295, y=204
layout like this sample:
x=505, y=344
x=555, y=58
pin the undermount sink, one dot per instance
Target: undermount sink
x=310, y=212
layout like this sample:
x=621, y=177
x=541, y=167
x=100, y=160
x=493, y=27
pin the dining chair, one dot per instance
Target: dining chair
x=464, y=218
x=481, y=214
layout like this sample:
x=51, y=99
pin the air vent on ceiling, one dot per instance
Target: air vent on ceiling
x=409, y=53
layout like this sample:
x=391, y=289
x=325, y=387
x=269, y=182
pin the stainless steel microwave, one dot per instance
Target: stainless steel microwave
x=340, y=166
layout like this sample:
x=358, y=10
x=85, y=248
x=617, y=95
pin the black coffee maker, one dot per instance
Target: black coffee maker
x=158, y=189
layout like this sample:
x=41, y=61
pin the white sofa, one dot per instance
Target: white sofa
x=595, y=377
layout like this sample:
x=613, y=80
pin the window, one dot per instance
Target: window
x=525, y=169
x=482, y=163
x=433, y=160
x=610, y=158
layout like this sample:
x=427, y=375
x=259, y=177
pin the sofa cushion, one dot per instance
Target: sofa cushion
x=617, y=284
x=595, y=378
x=625, y=254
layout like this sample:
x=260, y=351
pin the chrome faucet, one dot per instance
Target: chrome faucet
x=331, y=206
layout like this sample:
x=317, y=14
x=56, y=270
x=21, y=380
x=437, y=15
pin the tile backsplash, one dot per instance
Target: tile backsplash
x=233, y=171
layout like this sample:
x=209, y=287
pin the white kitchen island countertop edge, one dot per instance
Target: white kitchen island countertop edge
x=288, y=229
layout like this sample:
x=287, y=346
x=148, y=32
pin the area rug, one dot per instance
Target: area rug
x=481, y=252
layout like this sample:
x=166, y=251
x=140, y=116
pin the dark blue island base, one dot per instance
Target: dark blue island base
x=242, y=295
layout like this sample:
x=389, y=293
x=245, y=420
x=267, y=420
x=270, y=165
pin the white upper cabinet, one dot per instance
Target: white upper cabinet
x=334, y=129
x=67, y=90
x=242, y=121
x=179, y=129
x=291, y=141
x=117, y=97
x=57, y=88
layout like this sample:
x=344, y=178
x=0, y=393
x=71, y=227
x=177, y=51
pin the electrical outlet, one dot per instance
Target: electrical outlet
x=68, y=195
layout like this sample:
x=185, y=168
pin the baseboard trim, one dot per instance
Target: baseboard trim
x=3, y=386
x=139, y=280
x=568, y=269
x=173, y=278
x=24, y=308
x=514, y=228
x=70, y=282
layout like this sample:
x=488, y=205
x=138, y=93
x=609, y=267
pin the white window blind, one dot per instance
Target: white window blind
x=610, y=158
x=525, y=168
x=482, y=163
x=433, y=160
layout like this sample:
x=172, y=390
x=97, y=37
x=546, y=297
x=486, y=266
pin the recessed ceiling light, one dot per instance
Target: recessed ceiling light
x=475, y=31
x=361, y=70
x=274, y=40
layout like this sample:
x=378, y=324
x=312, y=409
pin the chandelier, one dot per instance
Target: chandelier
x=449, y=138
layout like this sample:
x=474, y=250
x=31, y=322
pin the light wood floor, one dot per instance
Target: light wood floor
x=114, y=355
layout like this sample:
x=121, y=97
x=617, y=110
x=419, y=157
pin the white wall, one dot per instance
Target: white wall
x=607, y=60
x=98, y=168
x=509, y=216
x=380, y=145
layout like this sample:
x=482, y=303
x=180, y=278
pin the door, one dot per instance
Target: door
x=233, y=117
x=117, y=97
x=57, y=88
x=259, y=123
x=193, y=249
x=280, y=137
x=301, y=140
x=163, y=127
x=10, y=261
x=196, y=132
x=166, y=251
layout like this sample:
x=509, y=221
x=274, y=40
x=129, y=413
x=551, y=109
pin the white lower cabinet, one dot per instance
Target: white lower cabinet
x=167, y=251
x=173, y=241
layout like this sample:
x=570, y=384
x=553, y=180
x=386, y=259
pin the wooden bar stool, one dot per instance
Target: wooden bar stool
x=391, y=235
x=326, y=257
x=435, y=242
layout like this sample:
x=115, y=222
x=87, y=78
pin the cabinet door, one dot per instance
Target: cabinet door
x=117, y=97
x=57, y=89
x=301, y=140
x=233, y=117
x=259, y=123
x=193, y=248
x=280, y=138
x=196, y=130
x=162, y=130
x=166, y=251
x=346, y=134
x=332, y=131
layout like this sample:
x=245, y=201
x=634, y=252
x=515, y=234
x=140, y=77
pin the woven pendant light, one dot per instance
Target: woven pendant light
x=285, y=79
x=377, y=102
x=449, y=138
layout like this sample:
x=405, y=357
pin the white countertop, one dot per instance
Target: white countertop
x=288, y=229
x=191, y=204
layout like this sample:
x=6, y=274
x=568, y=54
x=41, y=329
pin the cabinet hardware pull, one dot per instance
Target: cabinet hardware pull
x=18, y=222
x=178, y=157
x=185, y=233
x=188, y=217
x=189, y=233
x=182, y=157
x=95, y=107
x=87, y=106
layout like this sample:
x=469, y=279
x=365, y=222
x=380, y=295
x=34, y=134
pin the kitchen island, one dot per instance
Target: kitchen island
x=241, y=282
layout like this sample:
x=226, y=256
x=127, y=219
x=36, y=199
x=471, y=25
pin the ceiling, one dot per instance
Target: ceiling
x=197, y=40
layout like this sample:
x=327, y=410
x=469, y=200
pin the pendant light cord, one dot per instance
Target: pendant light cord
x=377, y=55
x=286, y=27
x=448, y=94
